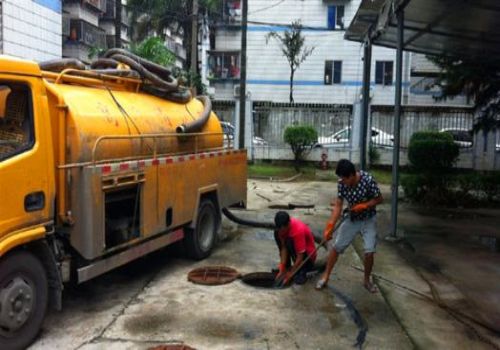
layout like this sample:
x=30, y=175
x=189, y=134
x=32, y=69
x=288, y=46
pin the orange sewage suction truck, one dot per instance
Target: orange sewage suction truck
x=96, y=172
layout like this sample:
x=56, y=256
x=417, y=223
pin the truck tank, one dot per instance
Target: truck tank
x=93, y=113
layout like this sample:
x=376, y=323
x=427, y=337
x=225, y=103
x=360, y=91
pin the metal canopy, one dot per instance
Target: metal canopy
x=451, y=27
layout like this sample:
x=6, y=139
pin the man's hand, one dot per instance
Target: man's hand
x=358, y=208
x=288, y=277
x=328, y=232
x=281, y=271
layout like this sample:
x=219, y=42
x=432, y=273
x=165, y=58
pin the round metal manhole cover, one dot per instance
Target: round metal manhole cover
x=213, y=275
x=172, y=347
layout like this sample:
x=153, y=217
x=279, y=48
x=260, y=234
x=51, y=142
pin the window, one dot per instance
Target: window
x=336, y=17
x=328, y=72
x=224, y=65
x=383, y=72
x=16, y=124
x=333, y=72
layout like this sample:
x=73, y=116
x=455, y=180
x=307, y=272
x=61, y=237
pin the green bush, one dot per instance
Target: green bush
x=467, y=190
x=301, y=138
x=432, y=152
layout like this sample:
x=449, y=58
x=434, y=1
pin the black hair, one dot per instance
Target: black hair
x=345, y=168
x=281, y=219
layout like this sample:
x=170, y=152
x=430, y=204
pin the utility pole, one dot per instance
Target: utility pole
x=118, y=23
x=243, y=74
x=194, y=40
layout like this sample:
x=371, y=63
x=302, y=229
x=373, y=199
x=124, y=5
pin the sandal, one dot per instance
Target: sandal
x=321, y=284
x=371, y=287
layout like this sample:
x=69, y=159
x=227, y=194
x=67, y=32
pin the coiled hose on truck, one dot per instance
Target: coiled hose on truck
x=157, y=80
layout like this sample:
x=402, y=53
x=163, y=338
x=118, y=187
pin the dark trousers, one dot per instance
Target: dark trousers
x=292, y=255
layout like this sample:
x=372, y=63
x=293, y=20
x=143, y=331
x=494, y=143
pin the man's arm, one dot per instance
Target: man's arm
x=330, y=225
x=295, y=267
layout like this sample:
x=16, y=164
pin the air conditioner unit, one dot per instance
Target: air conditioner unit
x=236, y=90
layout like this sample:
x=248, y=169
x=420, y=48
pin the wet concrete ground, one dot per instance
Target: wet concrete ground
x=150, y=302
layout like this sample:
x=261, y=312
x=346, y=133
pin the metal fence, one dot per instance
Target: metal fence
x=225, y=110
x=457, y=121
x=271, y=119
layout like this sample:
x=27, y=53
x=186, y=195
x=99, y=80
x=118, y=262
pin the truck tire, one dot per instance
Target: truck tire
x=23, y=299
x=200, y=240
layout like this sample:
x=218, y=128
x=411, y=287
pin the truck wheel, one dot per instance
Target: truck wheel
x=23, y=299
x=200, y=240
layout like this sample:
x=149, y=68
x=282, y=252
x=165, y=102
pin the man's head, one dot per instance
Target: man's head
x=347, y=172
x=282, y=220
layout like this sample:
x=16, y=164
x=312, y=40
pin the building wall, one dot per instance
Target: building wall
x=32, y=29
x=268, y=71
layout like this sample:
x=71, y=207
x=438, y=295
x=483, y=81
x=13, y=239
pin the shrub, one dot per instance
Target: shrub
x=472, y=189
x=373, y=155
x=301, y=139
x=432, y=152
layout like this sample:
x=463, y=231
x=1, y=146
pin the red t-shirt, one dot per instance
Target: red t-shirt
x=302, y=238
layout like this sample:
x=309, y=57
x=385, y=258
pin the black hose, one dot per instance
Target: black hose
x=240, y=221
x=355, y=316
x=197, y=124
x=61, y=64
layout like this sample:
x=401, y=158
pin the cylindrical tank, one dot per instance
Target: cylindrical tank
x=96, y=112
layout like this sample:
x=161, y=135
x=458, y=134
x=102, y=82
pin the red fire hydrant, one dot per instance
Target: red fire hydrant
x=324, y=163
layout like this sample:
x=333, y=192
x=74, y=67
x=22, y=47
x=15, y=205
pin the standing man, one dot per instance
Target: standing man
x=295, y=242
x=362, y=194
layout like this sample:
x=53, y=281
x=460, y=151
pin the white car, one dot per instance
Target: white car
x=228, y=130
x=341, y=138
x=462, y=137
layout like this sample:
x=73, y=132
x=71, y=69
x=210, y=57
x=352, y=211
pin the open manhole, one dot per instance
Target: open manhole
x=213, y=275
x=172, y=347
x=261, y=280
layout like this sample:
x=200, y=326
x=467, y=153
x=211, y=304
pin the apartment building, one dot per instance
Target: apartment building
x=332, y=74
x=89, y=26
x=31, y=29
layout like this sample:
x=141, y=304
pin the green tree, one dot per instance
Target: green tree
x=301, y=139
x=155, y=16
x=154, y=49
x=292, y=47
x=479, y=80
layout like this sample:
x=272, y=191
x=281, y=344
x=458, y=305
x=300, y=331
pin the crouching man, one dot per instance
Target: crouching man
x=362, y=194
x=295, y=243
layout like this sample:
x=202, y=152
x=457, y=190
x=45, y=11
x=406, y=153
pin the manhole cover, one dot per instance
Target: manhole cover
x=172, y=347
x=213, y=275
x=260, y=280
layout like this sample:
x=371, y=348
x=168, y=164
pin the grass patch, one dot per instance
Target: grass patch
x=382, y=176
x=309, y=173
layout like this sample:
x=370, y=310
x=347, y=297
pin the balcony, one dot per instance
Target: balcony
x=110, y=13
x=223, y=65
x=66, y=26
x=176, y=48
x=87, y=34
x=99, y=5
x=232, y=11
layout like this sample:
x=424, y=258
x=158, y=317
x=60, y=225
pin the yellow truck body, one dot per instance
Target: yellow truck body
x=92, y=176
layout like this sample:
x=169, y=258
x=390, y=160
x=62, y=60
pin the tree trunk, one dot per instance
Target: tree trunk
x=292, y=73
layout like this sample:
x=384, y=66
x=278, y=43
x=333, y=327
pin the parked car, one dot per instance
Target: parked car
x=462, y=137
x=341, y=138
x=228, y=130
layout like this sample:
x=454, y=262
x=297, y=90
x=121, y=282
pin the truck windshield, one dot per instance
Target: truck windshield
x=16, y=124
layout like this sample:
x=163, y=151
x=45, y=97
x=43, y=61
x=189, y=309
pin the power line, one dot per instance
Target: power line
x=267, y=8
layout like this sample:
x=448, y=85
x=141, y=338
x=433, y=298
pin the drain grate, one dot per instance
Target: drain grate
x=172, y=347
x=213, y=275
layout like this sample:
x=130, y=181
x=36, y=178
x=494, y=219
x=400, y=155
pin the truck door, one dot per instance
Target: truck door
x=25, y=199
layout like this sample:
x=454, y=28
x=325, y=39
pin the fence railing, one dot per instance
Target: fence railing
x=457, y=121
